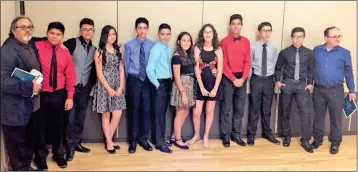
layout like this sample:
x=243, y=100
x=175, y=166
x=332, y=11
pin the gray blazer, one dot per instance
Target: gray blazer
x=16, y=101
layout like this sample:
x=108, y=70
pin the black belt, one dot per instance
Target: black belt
x=294, y=81
x=327, y=86
x=163, y=80
x=263, y=77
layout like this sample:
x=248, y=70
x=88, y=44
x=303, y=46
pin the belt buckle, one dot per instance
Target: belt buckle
x=296, y=81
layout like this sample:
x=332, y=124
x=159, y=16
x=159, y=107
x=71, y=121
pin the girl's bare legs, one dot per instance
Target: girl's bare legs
x=107, y=130
x=209, y=111
x=196, y=120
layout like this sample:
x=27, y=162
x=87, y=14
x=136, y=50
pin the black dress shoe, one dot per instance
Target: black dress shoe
x=61, y=162
x=315, y=144
x=80, y=148
x=307, y=146
x=185, y=147
x=145, y=145
x=271, y=138
x=70, y=155
x=41, y=165
x=334, y=149
x=238, y=140
x=164, y=149
x=286, y=141
x=226, y=142
x=132, y=147
x=250, y=141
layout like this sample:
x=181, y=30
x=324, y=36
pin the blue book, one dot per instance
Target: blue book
x=349, y=106
x=22, y=75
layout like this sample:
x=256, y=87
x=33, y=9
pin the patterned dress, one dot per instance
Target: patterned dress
x=208, y=66
x=102, y=102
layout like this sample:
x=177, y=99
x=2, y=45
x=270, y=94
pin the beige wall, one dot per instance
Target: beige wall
x=7, y=11
x=190, y=15
x=70, y=14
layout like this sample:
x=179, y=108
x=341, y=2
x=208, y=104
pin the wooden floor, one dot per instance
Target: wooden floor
x=262, y=156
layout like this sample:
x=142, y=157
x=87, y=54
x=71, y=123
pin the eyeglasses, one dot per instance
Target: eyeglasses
x=336, y=37
x=266, y=31
x=24, y=28
x=87, y=30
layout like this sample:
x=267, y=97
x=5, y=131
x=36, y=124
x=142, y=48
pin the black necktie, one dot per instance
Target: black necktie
x=237, y=39
x=264, y=61
x=53, y=70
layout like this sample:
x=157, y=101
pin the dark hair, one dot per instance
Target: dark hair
x=86, y=21
x=164, y=26
x=326, y=31
x=187, y=58
x=56, y=25
x=298, y=29
x=200, y=41
x=103, y=41
x=234, y=17
x=263, y=24
x=14, y=24
x=141, y=20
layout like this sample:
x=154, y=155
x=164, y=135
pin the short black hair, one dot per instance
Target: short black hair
x=298, y=29
x=56, y=25
x=234, y=17
x=164, y=26
x=86, y=21
x=326, y=31
x=263, y=24
x=141, y=20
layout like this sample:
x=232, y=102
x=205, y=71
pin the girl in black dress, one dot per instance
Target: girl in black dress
x=208, y=71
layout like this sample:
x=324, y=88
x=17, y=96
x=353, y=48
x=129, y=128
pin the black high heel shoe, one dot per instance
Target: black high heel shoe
x=186, y=147
x=117, y=147
x=113, y=151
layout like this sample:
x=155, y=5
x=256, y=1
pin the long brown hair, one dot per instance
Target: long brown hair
x=188, y=57
x=200, y=41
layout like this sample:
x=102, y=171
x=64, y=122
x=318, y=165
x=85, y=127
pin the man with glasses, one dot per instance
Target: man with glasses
x=263, y=59
x=333, y=64
x=82, y=52
x=296, y=65
x=18, y=106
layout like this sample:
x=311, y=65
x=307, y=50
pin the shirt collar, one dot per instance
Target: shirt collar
x=162, y=44
x=49, y=45
x=261, y=42
x=233, y=38
x=21, y=43
x=84, y=43
x=292, y=46
x=139, y=41
x=323, y=46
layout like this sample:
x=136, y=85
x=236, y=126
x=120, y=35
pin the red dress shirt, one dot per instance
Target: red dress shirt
x=66, y=74
x=236, y=57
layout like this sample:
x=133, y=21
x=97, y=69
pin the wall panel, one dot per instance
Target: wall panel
x=7, y=15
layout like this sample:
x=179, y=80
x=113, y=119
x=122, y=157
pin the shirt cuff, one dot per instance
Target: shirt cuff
x=351, y=90
x=70, y=95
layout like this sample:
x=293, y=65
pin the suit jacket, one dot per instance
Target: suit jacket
x=16, y=101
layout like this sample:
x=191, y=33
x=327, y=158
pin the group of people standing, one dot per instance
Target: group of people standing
x=152, y=76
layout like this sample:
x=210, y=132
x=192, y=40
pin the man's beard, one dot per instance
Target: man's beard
x=27, y=38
